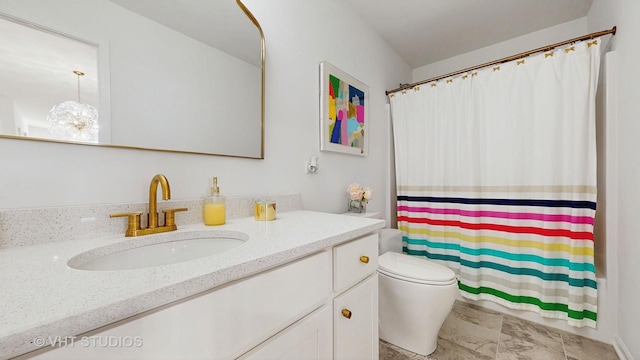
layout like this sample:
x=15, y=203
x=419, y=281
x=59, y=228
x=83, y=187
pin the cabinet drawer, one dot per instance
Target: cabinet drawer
x=354, y=261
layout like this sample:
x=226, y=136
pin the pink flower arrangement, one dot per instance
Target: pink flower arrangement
x=356, y=192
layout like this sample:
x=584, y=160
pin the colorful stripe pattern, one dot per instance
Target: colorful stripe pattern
x=524, y=251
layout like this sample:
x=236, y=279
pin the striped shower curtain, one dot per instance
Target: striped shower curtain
x=496, y=178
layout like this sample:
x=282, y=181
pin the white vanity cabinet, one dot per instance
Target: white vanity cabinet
x=355, y=314
x=294, y=311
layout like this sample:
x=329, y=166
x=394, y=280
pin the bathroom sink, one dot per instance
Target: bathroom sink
x=188, y=246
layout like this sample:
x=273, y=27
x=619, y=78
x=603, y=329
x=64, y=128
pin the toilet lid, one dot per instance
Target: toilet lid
x=414, y=268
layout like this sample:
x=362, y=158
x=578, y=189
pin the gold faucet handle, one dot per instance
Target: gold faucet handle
x=134, y=222
x=170, y=216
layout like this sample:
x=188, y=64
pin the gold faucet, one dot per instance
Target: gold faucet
x=153, y=194
x=134, y=224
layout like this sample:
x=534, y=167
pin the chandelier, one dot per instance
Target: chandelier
x=73, y=120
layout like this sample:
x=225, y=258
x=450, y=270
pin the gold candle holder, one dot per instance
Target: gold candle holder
x=265, y=210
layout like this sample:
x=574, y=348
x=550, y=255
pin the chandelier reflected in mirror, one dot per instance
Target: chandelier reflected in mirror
x=73, y=120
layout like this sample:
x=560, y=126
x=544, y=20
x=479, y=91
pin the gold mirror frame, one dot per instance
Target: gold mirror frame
x=248, y=13
x=262, y=62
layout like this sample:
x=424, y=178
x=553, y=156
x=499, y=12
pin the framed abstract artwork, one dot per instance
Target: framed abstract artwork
x=343, y=112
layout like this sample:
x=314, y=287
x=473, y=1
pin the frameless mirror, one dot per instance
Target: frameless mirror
x=172, y=75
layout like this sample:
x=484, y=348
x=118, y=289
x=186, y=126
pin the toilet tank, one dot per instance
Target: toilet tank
x=389, y=239
x=371, y=215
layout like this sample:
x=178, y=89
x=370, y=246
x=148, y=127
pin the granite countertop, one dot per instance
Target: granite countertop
x=43, y=297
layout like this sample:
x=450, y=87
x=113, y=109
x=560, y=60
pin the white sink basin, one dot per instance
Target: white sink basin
x=188, y=246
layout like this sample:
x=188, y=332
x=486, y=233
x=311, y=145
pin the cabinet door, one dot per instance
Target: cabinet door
x=355, y=321
x=309, y=339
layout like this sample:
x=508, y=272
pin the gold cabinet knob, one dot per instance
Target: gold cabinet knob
x=364, y=259
x=346, y=313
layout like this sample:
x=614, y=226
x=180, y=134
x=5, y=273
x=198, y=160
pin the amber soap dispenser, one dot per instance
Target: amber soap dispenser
x=215, y=211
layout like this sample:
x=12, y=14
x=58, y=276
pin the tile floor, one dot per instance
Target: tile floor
x=472, y=332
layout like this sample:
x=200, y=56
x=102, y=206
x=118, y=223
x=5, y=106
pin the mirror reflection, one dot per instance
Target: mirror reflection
x=36, y=74
x=178, y=75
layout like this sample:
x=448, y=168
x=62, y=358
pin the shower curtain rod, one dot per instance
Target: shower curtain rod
x=503, y=60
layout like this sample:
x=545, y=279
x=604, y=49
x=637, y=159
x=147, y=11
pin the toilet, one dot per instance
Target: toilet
x=415, y=295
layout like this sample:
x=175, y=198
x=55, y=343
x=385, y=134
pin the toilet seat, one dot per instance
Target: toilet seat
x=414, y=269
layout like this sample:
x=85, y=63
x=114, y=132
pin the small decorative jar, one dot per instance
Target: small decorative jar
x=357, y=206
x=265, y=210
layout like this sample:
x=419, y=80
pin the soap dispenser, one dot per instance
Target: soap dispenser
x=214, y=209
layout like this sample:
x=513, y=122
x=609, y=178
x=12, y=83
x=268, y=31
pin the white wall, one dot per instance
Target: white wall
x=7, y=124
x=501, y=50
x=299, y=35
x=624, y=14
